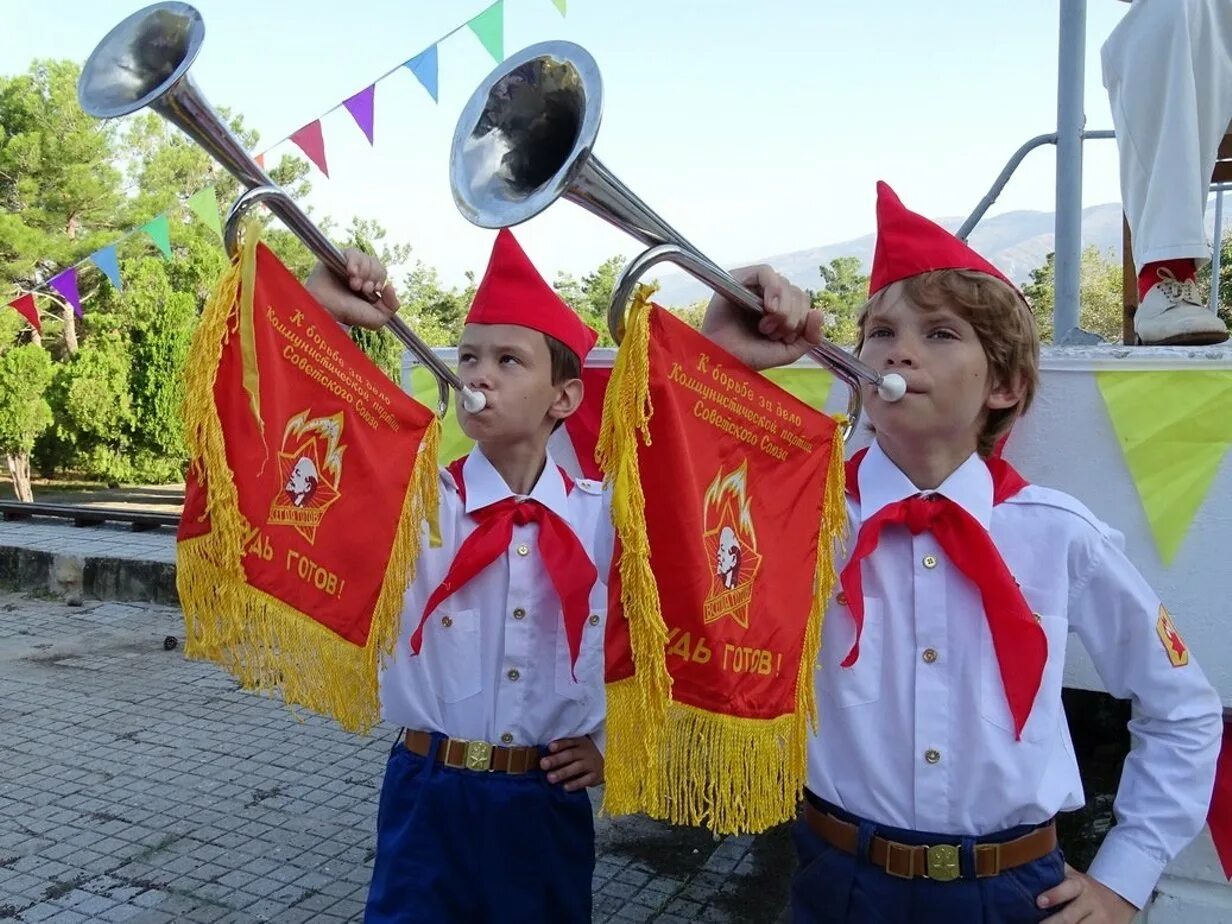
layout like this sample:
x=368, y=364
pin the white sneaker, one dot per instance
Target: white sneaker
x=1173, y=313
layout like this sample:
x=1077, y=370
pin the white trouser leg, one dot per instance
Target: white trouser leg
x=1168, y=71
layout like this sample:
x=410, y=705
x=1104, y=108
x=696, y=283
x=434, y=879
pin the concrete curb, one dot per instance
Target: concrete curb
x=97, y=577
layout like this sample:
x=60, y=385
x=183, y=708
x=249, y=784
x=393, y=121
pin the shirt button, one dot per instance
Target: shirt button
x=930, y=655
x=519, y=613
x=594, y=619
x=932, y=755
x=446, y=621
x=512, y=673
x=929, y=561
x=523, y=550
x=506, y=738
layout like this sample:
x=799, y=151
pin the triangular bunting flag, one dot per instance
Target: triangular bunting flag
x=489, y=26
x=424, y=67
x=25, y=306
x=311, y=143
x=105, y=259
x=65, y=282
x=560, y=5
x=160, y=233
x=260, y=159
x=204, y=204
x=1174, y=430
x=360, y=106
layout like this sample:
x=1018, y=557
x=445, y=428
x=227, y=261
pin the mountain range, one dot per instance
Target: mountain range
x=1016, y=242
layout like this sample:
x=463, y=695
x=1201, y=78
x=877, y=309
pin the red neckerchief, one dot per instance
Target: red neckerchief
x=570, y=569
x=1018, y=639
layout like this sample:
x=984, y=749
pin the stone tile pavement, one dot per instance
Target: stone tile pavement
x=138, y=786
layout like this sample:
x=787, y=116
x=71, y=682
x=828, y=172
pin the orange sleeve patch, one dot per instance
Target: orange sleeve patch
x=1173, y=644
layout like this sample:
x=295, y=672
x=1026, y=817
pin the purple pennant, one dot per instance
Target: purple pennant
x=65, y=282
x=361, y=109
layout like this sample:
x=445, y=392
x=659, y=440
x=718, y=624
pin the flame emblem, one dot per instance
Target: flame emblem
x=731, y=547
x=310, y=469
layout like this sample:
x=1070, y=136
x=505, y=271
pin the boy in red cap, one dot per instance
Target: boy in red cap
x=497, y=681
x=943, y=753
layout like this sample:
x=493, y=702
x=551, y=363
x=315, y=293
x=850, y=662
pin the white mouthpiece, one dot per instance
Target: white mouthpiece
x=892, y=387
x=473, y=401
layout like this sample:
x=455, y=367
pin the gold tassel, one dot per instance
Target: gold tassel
x=265, y=643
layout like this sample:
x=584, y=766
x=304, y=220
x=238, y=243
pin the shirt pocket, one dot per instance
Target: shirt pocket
x=1042, y=723
x=860, y=683
x=452, y=646
x=589, y=667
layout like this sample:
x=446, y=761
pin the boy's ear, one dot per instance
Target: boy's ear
x=1005, y=394
x=568, y=399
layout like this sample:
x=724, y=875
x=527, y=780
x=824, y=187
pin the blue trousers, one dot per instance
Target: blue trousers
x=831, y=886
x=458, y=846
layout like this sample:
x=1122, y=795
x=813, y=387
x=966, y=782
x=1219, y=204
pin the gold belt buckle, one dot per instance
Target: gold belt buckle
x=943, y=863
x=478, y=755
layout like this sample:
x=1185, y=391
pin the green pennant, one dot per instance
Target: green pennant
x=204, y=204
x=454, y=443
x=1174, y=429
x=489, y=26
x=160, y=233
x=560, y=5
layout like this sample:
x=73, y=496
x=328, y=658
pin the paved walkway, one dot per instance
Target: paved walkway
x=139, y=786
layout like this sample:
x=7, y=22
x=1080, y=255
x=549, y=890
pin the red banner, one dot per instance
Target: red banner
x=311, y=476
x=727, y=498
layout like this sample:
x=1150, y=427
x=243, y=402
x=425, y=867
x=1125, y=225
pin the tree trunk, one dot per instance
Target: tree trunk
x=19, y=469
x=70, y=329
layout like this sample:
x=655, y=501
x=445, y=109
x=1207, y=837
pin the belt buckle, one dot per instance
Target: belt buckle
x=943, y=863
x=478, y=755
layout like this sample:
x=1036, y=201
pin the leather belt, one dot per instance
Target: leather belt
x=474, y=755
x=940, y=861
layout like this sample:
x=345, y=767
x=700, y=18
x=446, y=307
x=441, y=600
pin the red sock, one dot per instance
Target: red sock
x=1182, y=269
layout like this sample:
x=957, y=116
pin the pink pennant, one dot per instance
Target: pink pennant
x=260, y=159
x=360, y=106
x=65, y=282
x=311, y=142
x=25, y=306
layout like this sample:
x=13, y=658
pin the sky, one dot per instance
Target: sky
x=755, y=128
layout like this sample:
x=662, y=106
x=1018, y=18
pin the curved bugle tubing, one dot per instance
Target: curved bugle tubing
x=144, y=62
x=526, y=139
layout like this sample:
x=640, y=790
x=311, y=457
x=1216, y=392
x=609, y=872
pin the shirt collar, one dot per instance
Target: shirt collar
x=485, y=485
x=881, y=483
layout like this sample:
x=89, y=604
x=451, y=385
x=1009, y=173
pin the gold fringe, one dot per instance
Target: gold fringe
x=265, y=643
x=829, y=538
x=679, y=763
x=627, y=411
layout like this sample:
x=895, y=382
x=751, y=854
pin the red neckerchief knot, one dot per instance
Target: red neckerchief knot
x=570, y=569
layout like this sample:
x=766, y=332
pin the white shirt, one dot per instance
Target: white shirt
x=927, y=681
x=494, y=662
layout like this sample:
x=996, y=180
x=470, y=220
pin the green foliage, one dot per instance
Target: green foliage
x=844, y=291
x=25, y=373
x=591, y=297
x=1099, y=295
x=1225, y=279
